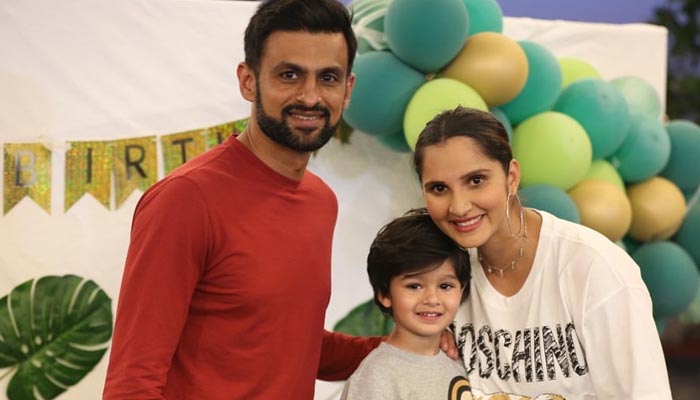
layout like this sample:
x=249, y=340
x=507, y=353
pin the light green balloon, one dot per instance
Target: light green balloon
x=573, y=69
x=552, y=148
x=434, y=97
x=604, y=171
x=640, y=95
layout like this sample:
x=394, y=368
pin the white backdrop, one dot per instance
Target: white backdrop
x=103, y=70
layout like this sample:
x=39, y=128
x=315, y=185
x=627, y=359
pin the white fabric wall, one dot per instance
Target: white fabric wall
x=102, y=70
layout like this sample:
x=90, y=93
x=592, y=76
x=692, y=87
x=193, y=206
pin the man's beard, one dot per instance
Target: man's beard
x=280, y=132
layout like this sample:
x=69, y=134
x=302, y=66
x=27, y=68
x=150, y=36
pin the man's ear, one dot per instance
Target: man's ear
x=246, y=81
x=348, y=90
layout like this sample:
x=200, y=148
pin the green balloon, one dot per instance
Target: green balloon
x=503, y=119
x=641, y=97
x=645, y=151
x=670, y=275
x=484, y=16
x=573, y=69
x=553, y=149
x=604, y=171
x=602, y=111
x=434, y=97
x=551, y=199
x=688, y=236
x=541, y=88
x=368, y=24
x=682, y=168
x=631, y=244
x=396, y=141
x=383, y=87
x=691, y=315
x=426, y=34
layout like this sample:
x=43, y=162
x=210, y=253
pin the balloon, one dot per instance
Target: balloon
x=644, y=152
x=551, y=199
x=631, y=244
x=573, y=69
x=433, y=98
x=552, y=148
x=660, y=325
x=484, y=16
x=395, y=141
x=541, y=88
x=682, y=167
x=604, y=171
x=691, y=315
x=602, y=111
x=426, y=34
x=641, y=97
x=603, y=207
x=503, y=119
x=670, y=275
x=658, y=207
x=493, y=64
x=368, y=24
x=383, y=87
x=688, y=236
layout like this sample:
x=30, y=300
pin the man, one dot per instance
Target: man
x=227, y=277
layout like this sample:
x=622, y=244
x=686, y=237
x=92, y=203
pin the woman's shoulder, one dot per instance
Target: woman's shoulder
x=583, y=252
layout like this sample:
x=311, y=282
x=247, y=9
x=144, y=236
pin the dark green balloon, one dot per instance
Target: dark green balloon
x=670, y=275
x=551, y=199
x=426, y=34
x=688, y=236
x=383, y=87
x=644, y=152
x=602, y=111
x=503, y=119
x=683, y=168
x=541, y=88
x=484, y=16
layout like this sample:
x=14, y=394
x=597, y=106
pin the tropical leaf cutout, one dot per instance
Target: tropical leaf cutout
x=365, y=320
x=53, y=331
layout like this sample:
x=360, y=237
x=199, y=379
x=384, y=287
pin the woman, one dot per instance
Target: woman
x=556, y=308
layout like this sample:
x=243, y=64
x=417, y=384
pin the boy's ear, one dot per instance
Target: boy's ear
x=384, y=300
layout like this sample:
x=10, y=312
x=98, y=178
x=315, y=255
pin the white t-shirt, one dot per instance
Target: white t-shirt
x=581, y=327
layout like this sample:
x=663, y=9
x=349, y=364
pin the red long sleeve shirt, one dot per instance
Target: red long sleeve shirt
x=226, y=285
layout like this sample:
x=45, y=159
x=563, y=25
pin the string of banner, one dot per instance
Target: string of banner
x=103, y=168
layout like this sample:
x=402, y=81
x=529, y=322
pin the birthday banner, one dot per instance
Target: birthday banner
x=108, y=170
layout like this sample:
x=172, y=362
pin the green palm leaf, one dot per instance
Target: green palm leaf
x=53, y=331
x=365, y=320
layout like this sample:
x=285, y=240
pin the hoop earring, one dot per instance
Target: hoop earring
x=521, y=230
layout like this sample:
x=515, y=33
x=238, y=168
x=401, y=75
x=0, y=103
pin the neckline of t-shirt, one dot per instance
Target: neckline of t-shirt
x=253, y=161
x=493, y=296
x=409, y=354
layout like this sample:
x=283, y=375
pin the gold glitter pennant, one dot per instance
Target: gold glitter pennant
x=135, y=166
x=88, y=170
x=218, y=133
x=181, y=147
x=27, y=173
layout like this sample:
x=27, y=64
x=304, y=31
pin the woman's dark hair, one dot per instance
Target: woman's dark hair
x=413, y=243
x=314, y=16
x=480, y=126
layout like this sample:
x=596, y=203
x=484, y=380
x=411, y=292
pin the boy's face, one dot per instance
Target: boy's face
x=423, y=304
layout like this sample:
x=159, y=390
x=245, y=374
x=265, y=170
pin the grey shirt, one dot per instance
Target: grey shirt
x=391, y=373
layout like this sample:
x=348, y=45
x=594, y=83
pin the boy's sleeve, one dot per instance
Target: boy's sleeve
x=341, y=354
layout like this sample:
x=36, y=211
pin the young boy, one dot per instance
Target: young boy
x=419, y=277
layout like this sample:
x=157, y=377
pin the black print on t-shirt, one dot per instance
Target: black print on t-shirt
x=526, y=355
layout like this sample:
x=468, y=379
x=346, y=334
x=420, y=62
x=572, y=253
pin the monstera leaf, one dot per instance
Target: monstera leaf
x=53, y=331
x=365, y=320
